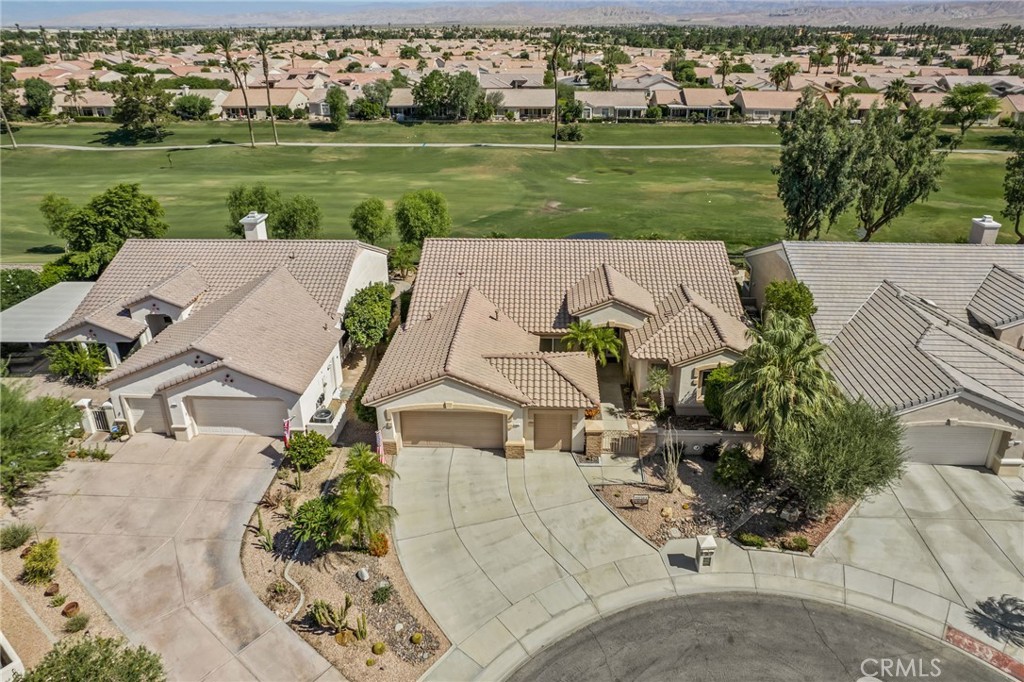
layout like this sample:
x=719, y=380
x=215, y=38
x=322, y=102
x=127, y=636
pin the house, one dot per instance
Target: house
x=1013, y=108
x=511, y=81
x=233, y=106
x=707, y=103
x=864, y=100
x=215, y=95
x=612, y=106
x=930, y=331
x=647, y=83
x=480, y=362
x=998, y=85
x=88, y=103
x=401, y=105
x=767, y=105
x=225, y=336
x=526, y=104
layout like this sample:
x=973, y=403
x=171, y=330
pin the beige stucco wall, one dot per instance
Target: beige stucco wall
x=87, y=334
x=1012, y=336
x=685, y=381
x=322, y=382
x=153, y=306
x=766, y=267
x=367, y=268
x=614, y=315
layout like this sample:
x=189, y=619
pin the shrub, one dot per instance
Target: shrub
x=790, y=297
x=379, y=545
x=33, y=437
x=98, y=658
x=98, y=453
x=751, y=540
x=58, y=600
x=17, y=284
x=41, y=562
x=416, y=638
x=77, y=364
x=797, y=543
x=734, y=468
x=571, y=132
x=15, y=535
x=76, y=623
x=368, y=314
x=370, y=662
x=307, y=449
x=365, y=412
x=314, y=522
x=382, y=594
x=717, y=381
x=379, y=648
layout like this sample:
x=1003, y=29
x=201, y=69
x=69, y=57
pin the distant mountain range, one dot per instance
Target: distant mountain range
x=715, y=12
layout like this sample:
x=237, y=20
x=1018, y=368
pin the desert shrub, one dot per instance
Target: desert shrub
x=76, y=623
x=382, y=594
x=98, y=453
x=379, y=648
x=734, y=468
x=99, y=658
x=751, y=540
x=78, y=364
x=315, y=523
x=41, y=562
x=306, y=449
x=797, y=543
x=328, y=616
x=416, y=638
x=719, y=379
x=58, y=600
x=15, y=535
x=365, y=412
x=789, y=297
x=33, y=437
x=572, y=132
x=379, y=545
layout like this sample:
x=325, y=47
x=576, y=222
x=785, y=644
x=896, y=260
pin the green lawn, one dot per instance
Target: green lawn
x=232, y=132
x=726, y=194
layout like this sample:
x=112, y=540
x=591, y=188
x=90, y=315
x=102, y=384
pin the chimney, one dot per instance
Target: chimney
x=984, y=230
x=255, y=225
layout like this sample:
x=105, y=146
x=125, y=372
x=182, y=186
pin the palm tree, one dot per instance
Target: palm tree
x=725, y=66
x=819, y=55
x=75, y=89
x=780, y=381
x=263, y=47
x=843, y=53
x=782, y=72
x=364, y=469
x=658, y=378
x=556, y=42
x=224, y=41
x=897, y=91
x=7, y=125
x=597, y=342
x=358, y=502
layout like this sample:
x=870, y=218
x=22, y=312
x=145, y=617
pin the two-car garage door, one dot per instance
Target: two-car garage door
x=453, y=428
x=238, y=416
x=962, y=445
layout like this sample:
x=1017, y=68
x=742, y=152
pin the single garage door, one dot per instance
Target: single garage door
x=238, y=416
x=147, y=415
x=964, y=445
x=552, y=431
x=452, y=428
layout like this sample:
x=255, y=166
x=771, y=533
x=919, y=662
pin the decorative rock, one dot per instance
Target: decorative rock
x=675, y=533
x=24, y=552
x=51, y=589
x=399, y=627
x=362, y=574
x=666, y=512
x=70, y=609
x=790, y=514
x=344, y=638
x=383, y=584
x=124, y=438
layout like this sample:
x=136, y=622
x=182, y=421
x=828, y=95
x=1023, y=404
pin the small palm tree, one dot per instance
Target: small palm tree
x=263, y=47
x=780, y=381
x=598, y=342
x=362, y=511
x=658, y=379
x=365, y=470
x=725, y=66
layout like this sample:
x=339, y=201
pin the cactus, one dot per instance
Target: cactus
x=328, y=616
x=361, y=627
x=370, y=663
x=379, y=648
x=416, y=638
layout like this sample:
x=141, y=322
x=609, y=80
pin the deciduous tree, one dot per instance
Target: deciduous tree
x=1013, y=184
x=372, y=221
x=969, y=104
x=422, y=214
x=38, y=97
x=789, y=297
x=141, y=105
x=368, y=313
x=337, y=105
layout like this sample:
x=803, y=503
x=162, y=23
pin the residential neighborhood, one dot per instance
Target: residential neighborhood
x=664, y=347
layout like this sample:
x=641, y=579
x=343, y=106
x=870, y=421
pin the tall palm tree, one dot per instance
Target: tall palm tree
x=556, y=43
x=820, y=54
x=780, y=381
x=263, y=47
x=225, y=42
x=843, y=53
x=75, y=89
x=7, y=125
x=897, y=91
x=725, y=65
x=597, y=342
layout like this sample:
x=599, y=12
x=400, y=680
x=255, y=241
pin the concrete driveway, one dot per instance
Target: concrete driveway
x=154, y=534
x=954, y=531
x=496, y=548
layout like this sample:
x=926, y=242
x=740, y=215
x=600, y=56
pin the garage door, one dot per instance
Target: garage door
x=964, y=445
x=552, y=431
x=484, y=430
x=238, y=416
x=147, y=415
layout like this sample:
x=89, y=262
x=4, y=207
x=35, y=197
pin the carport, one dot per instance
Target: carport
x=23, y=327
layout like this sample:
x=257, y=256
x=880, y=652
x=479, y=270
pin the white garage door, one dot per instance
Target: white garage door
x=147, y=415
x=963, y=445
x=451, y=428
x=238, y=416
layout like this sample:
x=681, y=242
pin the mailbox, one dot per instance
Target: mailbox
x=706, y=547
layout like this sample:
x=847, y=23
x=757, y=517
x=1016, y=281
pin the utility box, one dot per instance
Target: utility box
x=706, y=548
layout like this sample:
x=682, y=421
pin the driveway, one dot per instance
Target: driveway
x=496, y=548
x=954, y=531
x=154, y=535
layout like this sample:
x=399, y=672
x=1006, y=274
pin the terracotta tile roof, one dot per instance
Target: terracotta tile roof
x=604, y=284
x=269, y=328
x=180, y=289
x=687, y=326
x=529, y=279
x=471, y=341
x=321, y=266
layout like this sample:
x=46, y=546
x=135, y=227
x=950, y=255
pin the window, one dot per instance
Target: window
x=551, y=344
x=702, y=377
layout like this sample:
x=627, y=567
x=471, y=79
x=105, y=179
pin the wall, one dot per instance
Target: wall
x=217, y=385
x=685, y=381
x=143, y=384
x=1012, y=336
x=614, y=315
x=367, y=268
x=320, y=383
x=767, y=266
x=87, y=334
x=153, y=306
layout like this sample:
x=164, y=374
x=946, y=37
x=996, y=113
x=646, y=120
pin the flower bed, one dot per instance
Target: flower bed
x=782, y=534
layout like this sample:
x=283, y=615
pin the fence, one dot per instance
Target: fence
x=620, y=443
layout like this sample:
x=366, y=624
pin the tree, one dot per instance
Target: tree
x=76, y=363
x=422, y=214
x=263, y=47
x=572, y=111
x=432, y=93
x=306, y=449
x=337, y=106
x=38, y=97
x=400, y=260
x=596, y=78
x=358, y=500
x=365, y=110
x=820, y=57
x=17, y=284
x=969, y=104
x=724, y=66
x=897, y=164
x=780, y=381
x=556, y=44
x=98, y=658
x=192, y=107
x=298, y=217
x=815, y=168
x=371, y=220
x=225, y=42
x=368, y=313
x=782, y=72
x=33, y=434
x=32, y=57
x=379, y=93
x=1013, y=184
x=316, y=522
x=716, y=384
x=75, y=88
x=898, y=91
x=658, y=379
x=790, y=298
x=141, y=105
x=849, y=452
x=597, y=342
x=462, y=93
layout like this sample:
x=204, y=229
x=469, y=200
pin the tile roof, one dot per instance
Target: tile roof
x=706, y=97
x=899, y=351
x=842, y=275
x=999, y=301
x=321, y=266
x=686, y=326
x=287, y=335
x=618, y=98
x=529, y=279
x=180, y=289
x=604, y=284
x=772, y=100
x=471, y=341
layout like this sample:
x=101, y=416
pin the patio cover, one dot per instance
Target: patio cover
x=32, y=319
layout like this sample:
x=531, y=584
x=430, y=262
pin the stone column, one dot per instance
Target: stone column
x=515, y=449
x=88, y=421
x=647, y=440
x=594, y=435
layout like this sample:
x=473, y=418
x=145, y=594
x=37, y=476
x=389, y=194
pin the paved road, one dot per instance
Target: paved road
x=738, y=637
x=442, y=145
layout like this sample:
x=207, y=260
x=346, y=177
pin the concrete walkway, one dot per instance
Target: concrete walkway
x=154, y=535
x=510, y=556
